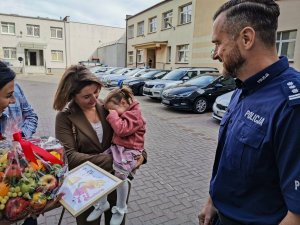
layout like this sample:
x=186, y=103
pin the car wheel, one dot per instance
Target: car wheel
x=200, y=105
x=140, y=90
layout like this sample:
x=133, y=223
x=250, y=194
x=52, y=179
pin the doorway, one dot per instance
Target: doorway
x=151, y=58
x=32, y=59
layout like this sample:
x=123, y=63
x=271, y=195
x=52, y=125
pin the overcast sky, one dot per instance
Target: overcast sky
x=104, y=12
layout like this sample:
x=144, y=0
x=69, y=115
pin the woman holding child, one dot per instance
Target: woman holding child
x=82, y=127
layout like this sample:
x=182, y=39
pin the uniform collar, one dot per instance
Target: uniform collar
x=265, y=75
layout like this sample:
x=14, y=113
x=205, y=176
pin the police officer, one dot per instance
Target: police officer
x=256, y=173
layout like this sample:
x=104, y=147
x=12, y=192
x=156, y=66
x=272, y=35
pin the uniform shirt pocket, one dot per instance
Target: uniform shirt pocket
x=248, y=141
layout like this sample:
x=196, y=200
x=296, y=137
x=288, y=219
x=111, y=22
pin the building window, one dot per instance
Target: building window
x=140, y=28
x=9, y=53
x=57, y=55
x=33, y=30
x=167, y=20
x=56, y=32
x=130, y=57
x=8, y=28
x=169, y=54
x=139, y=56
x=130, y=32
x=185, y=14
x=152, y=25
x=285, y=43
x=182, y=53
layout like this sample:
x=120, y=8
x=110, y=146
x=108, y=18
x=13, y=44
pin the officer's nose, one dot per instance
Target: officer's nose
x=214, y=54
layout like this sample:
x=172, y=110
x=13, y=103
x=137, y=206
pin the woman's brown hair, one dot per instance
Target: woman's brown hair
x=117, y=95
x=74, y=79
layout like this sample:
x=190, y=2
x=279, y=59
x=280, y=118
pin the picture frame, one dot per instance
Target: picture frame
x=84, y=185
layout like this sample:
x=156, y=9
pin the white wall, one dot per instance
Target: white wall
x=86, y=38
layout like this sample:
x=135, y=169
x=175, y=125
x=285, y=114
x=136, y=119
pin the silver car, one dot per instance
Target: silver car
x=221, y=104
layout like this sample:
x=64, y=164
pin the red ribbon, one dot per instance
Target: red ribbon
x=29, y=148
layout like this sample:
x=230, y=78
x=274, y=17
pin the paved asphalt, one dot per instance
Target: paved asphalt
x=173, y=185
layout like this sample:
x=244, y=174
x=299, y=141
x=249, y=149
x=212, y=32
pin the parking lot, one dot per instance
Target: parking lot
x=173, y=185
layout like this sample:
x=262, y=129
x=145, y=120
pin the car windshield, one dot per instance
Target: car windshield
x=150, y=74
x=140, y=73
x=112, y=70
x=174, y=75
x=201, y=81
x=132, y=72
x=123, y=70
x=98, y=69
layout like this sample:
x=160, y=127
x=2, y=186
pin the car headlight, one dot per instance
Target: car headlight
x=200, y=91
x=185, y=94
x=160, y=86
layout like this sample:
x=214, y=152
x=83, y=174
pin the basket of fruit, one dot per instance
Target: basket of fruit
x=30, y=176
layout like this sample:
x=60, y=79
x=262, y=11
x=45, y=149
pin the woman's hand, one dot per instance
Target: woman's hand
x=140, y=160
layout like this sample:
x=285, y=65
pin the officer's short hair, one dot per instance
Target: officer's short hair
x=261, y=15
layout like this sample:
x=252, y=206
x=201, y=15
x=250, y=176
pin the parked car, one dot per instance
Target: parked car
x=221, y=104
x=154, y=89
x=99, y=69
x=197, y=94
x=137, y=83
x=113, y=80
x=90, y=63
x=112, y=70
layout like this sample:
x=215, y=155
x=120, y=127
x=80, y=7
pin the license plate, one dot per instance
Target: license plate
x=165, y=101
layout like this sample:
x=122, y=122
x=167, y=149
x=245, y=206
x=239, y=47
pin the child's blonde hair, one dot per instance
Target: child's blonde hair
x=117, y=95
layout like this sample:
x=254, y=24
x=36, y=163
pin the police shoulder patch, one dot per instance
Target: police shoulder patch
x=291, y=88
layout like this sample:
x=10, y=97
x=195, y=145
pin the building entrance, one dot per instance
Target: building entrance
x=151, y=58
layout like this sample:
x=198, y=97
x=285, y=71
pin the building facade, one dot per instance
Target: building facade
x=161, y=36
x=42, y=45
x=176, y=33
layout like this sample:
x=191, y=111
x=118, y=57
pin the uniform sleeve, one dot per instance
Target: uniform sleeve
x=64, y=133
x=29, y=117
x=126, y=124
x=287, y=153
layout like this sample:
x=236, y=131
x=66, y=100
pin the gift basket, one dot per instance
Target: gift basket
x=31, y=173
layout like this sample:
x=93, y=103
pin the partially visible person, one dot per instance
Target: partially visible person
x=12, y=107
x=22, y=113
x=82, y=128
x=125, y=117
x=256, y=174
x=7, y=79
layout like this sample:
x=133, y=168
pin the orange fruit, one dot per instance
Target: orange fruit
x=4, y=189
x=38, y=166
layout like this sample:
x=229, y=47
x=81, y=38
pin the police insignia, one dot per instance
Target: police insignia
x=292, y=89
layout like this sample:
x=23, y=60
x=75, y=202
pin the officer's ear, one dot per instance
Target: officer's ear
x=247, y=35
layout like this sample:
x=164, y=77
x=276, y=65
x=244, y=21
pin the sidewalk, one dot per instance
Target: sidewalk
x=40, y=78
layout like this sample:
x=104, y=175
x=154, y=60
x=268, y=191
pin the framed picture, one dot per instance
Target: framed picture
x=85, y=185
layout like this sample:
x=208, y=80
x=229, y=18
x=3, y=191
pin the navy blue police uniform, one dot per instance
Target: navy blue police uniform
x=256, y=174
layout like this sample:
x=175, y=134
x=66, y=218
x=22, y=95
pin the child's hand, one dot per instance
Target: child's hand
x=140, y=160
x=111, y=110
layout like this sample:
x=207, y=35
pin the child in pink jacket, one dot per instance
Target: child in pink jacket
x=126, y=120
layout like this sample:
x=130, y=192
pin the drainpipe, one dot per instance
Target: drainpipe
x=66, y=19
x=127, y=16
